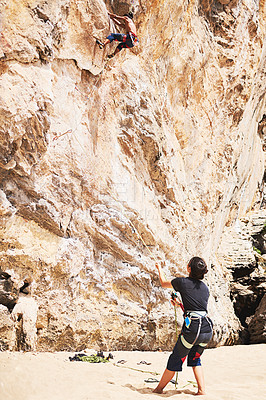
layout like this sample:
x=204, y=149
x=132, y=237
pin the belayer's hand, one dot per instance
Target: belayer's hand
x=176, y=303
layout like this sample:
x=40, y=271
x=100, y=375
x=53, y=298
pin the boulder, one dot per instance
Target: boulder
x=257, y=325
x=7, y=330
x=8, y=291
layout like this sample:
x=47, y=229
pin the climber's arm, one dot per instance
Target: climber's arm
x=118, y=23
x=117, y=17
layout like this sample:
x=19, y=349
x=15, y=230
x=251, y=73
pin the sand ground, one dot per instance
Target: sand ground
x=231, y=373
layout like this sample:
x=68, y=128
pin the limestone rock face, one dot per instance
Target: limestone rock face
x=107, y=167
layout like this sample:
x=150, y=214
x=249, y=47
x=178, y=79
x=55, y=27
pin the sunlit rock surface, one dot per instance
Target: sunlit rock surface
x=162, y=145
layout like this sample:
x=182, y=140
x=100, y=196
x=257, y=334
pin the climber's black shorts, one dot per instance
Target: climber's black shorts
x=127, y=40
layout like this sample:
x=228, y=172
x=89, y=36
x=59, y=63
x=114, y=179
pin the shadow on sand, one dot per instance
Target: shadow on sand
x=167, y=393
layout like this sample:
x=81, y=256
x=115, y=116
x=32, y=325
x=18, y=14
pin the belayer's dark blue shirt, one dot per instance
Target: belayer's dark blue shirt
x=194, y=293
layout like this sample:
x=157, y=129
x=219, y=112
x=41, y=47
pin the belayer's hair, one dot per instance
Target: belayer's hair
x=198, y=268
x=129, y=15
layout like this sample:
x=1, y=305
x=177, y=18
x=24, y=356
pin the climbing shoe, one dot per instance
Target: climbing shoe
x=110, y=56
x=100, y=44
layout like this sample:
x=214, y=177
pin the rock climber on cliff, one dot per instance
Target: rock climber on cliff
x=128, y=39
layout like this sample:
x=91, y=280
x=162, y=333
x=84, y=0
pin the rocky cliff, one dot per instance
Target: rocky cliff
x=107, y=166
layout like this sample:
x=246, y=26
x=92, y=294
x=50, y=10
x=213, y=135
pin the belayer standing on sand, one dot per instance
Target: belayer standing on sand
x=197, y=328
x=129, y=39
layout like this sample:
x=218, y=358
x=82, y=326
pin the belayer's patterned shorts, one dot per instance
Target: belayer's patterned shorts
x=189, y=344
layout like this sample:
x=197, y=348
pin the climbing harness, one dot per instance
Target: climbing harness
x=192, y=316
x=197, y=315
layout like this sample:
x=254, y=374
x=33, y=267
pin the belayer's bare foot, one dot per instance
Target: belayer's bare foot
x=200, y=393
x=156, y=390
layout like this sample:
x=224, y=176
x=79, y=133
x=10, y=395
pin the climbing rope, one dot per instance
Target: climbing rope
x=136, y=369
x=176, y=330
